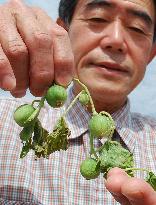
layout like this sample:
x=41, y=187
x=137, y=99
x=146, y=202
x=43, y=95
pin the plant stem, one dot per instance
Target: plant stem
x=102, y=146
x=37, y=111
x=137, y=169
x=92, y=150
x=41, y=104
x=35, y=102
x=71, y=104
x=88, y=93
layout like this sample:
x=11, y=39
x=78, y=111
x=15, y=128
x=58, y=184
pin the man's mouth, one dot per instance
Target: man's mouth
x=110, y=67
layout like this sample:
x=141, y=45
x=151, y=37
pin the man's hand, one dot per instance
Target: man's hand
x=34, y=50
x=129, y=190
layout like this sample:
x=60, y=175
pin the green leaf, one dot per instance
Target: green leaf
x=151, y=179
x=58, y=139
x=40, y=134
x=25, y=150
x=26, y=133
x=37, y=142
x=114, y=155
x=39, y=139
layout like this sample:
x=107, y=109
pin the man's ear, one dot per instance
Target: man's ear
x=153, y=53
x=61, y=23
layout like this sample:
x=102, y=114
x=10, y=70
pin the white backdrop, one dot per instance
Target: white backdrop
x=143, y=98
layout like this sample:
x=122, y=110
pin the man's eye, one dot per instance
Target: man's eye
x=138, y=30
x=97, y=20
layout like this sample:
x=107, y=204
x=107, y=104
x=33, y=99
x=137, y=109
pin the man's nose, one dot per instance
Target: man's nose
x=114, y=38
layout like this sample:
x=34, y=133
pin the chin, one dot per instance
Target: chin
x=104, y=94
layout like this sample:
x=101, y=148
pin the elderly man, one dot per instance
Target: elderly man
x=107, y=44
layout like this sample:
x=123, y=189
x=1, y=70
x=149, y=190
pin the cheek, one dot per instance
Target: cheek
x=82, y=41
x=139, y=68
x=140, y=51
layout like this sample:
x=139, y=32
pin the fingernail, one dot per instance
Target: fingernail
x=8, y=82
x=64, y=82
x=19, y=94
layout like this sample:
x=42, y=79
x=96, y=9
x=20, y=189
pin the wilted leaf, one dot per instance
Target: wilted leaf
x=114, y=155
x=25, y=150
x=58, y=139
x=39, y=139
x=26, y=133
x=40, y=134
x=151, y=179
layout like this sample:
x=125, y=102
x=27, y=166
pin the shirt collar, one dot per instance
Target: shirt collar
x=122, y=117
x=124, y=125
x=78, y=117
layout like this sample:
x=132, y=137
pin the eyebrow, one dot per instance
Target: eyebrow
x=99, y=2
x=142, y=15
x=135, y=12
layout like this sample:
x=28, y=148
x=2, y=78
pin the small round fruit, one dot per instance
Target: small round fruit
x=100, y=126
x=90, y=168
x=22, y=113
x=56, y=96
x=84, y=98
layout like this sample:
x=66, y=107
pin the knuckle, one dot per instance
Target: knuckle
x=59, y=31
x=64, y=62
x=14, y=3
x=3, y=63
x=16, y=49
x=42, y=78
x=36, y=9
x=4, y=6
x=42, y=40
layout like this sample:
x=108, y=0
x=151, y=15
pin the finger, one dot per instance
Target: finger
x=115, y=171
x=138, y=192
x=14, y=48
x=7, y=78
x=39, y=44
x=115, y=178
x=63, y=55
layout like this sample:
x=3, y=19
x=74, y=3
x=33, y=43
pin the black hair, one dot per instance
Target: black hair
x=67, y=8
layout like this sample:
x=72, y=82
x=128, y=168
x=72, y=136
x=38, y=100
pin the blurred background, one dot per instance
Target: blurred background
x=143, y=99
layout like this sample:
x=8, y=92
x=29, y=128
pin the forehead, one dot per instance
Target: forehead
x=147, y=5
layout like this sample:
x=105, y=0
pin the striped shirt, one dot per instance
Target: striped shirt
x=57, y=180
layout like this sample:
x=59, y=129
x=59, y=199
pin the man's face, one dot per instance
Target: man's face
x=112, y=42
